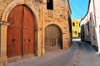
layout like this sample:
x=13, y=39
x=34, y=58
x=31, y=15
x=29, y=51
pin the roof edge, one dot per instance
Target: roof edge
x=87, y=10
x=69, y=6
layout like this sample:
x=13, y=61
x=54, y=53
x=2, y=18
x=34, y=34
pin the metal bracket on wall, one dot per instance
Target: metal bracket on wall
x=4, y=23
x=63, y=33
x=38, y=29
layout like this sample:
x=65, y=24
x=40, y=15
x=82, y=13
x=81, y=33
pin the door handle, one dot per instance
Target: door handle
x=29, y=39
x=25, y=40
x=14, y=40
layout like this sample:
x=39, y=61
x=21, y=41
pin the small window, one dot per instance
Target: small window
x=76, y=32
x=79, y=24
x=93, y=31
x=50, y=4
x=88, y=25
x=73, y=24
x=87, y=33
x=90, y=17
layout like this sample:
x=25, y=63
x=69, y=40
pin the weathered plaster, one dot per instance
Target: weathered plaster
x=43, y=17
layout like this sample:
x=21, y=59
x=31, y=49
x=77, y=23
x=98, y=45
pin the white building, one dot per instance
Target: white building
x=91, y=24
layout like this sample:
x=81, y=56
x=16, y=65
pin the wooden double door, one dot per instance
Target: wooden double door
x=53, y=37
x=20, y=32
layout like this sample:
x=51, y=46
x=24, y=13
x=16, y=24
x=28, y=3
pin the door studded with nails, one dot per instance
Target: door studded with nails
x=20, y=32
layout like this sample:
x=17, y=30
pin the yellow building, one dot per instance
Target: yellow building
x=75, y=28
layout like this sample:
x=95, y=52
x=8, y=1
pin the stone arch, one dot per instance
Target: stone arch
x=60, y=36
x=14, y=3
x=61, y=28
x=30, y=5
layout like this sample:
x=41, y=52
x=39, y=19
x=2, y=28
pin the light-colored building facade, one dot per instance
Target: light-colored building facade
x=27, y=27
x=90, y=24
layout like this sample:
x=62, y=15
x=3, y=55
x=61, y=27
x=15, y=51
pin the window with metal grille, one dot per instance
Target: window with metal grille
x=50, y=4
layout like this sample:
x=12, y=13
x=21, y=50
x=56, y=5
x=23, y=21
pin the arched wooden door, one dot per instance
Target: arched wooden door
x=53, y=37
x=20, y=32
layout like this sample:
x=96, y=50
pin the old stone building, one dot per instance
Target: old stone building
x=29, y=27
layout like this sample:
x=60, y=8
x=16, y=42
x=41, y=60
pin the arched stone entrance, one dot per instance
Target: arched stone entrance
x=53, y=37
x=20, y=32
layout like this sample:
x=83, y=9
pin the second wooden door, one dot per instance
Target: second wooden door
x=53, y=37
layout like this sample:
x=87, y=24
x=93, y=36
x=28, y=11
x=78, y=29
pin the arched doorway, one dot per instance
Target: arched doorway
x=53, y=37
x=20, y=32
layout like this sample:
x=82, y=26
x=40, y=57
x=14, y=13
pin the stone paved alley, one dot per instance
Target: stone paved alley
x=79, y=54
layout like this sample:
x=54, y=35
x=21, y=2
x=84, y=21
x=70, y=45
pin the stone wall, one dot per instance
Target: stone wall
x=59, y=16
x=5, y=7
x=11, y=3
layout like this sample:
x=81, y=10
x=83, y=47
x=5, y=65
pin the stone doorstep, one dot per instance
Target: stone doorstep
x=19, y=57
x=3, y=61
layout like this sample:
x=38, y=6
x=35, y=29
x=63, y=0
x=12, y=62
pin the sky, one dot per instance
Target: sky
x=78, y=8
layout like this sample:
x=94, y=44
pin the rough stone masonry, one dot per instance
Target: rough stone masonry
x=60, y=16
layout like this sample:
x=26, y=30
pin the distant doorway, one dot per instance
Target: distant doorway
x=53, y=37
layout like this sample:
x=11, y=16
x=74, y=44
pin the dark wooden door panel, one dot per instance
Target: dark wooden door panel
x=20, y=34
x=28, y=32
x=28, y=20
x=28, y=41
x=25, y=41
x=16, y=15
x=14, y=32
x=31, y=41
x=13, y=42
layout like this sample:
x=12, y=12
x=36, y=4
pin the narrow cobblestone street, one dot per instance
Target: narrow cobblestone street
x=79, y=54
x=89, y=56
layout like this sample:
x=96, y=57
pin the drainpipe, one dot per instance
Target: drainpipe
x=94, y=13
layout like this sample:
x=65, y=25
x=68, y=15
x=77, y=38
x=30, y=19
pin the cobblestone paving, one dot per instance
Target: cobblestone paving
x=52, y=58
x=75, y=60
x=89, y=56
x=79, y=54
